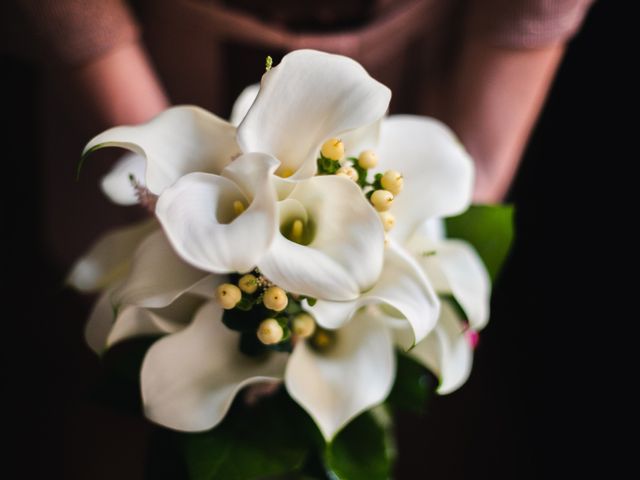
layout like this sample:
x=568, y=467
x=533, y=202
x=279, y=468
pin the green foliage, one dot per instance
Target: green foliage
x=267, y=440
x=326, y=166
x=414, y=386
x=276, y=438
x=489, y=228
x=362, y=451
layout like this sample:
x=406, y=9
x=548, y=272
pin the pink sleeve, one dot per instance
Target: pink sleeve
x=526, y=23
x=75, y=31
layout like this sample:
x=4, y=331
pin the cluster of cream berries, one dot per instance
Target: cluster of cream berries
x=386, y=187
x=270, y=331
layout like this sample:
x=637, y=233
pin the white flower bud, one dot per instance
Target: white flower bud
x=348, y=172
x=228, y=295
x=368, y=159
x=388, y=220
x=275, y=298
x=392, y=181
x=333, y=149
x=270, y=332
x=382, y=200
x=303, y=325
x=248, y=283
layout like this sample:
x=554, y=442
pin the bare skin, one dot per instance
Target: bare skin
x=121, y=87
x=493, y=102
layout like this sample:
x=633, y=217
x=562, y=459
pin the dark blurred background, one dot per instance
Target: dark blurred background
x=531, y=407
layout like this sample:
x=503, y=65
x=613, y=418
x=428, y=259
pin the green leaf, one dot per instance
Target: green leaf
x=489, y=228
x=363, y=450
x=263, y=441
x=414, y=385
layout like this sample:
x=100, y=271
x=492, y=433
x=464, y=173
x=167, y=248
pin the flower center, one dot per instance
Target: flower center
x=298, y=231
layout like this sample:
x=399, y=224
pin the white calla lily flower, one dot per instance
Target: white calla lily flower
x=402, y=286
x=438, y=172
x=340, y=251
x=447, y=351
x=109, y=258
x=223, y=223
x=355, y=374
x=309, y=97
x=190, y=378
x=233, y=199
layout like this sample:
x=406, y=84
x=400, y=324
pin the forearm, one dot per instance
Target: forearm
x=495, y=97
x=120, y=87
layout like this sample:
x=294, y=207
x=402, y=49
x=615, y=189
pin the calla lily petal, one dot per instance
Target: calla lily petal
x=363, y=138
x=354, y=375
x=117, y=183
x=447, y=351
x=346, y=253
x=456, y=269
x=402, y=285
x=158, y=275
x=198, y=217
x=308, y=98
x=178, y=141
x=243, y=103
x=100, y=322
x=437, y=171
x=134, y=321
x=109, y=258
x=189, y=379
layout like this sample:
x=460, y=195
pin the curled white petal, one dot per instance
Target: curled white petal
x=309, y=97
x=437, y=171
x=190, y=378
x=354, y=375
x=100, y=323
x=108, y=260
x=133, y=321
x=158, y=275
x=456, y=269
x=243, y=103
x=446, y=351
x=180, y=140
x=402, y=286
x=198, y=216
x=346, y=253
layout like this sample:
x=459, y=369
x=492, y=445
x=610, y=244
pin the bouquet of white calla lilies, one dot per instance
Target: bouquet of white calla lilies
x=300, y=242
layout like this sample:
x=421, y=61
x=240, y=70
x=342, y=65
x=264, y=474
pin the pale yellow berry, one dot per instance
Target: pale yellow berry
x=303, y=325
x=382, y=200
x=392, y=181
x=270, y=332
x=388, y=220
x=368, y=159
x=238, y=207
x=348, y=172
x=228, y=295
x=275, y=298
x=248, y=283
x=333, y=149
